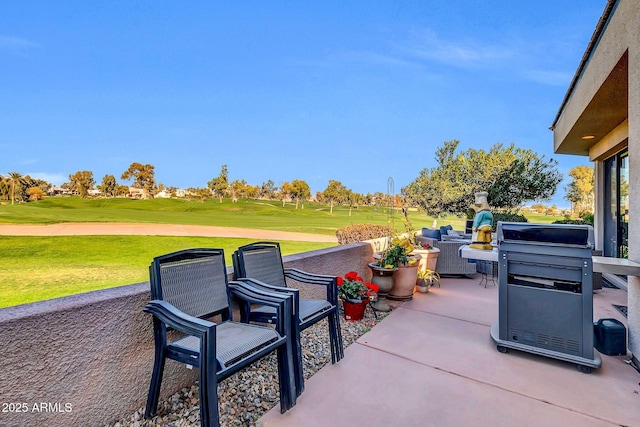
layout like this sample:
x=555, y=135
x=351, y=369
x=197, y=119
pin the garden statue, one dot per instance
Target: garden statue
x=482, y=223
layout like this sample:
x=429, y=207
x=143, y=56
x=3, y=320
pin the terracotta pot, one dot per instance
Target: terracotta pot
x=354, y=309
x=429, y=258
x=404, y=281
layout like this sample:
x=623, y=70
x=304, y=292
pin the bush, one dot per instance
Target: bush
x=571, y=221
x=359, y=232
x=507, y=217
x=587, y=217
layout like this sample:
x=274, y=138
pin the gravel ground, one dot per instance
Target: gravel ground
x=250, y=393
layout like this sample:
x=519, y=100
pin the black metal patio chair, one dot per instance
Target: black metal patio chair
x=189, y=286
x=260, y=264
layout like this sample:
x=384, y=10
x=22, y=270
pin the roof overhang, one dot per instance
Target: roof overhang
x=602, y=114
x=596, y=102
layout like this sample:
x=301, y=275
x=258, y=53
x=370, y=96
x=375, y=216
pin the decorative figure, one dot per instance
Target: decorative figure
x=482, y=222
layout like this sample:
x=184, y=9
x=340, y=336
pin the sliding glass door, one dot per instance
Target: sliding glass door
x=616, y=202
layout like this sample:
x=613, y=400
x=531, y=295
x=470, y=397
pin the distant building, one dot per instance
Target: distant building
x=135, y=193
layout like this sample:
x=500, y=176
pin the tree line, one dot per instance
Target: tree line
x=512, y=176
x=16, y=187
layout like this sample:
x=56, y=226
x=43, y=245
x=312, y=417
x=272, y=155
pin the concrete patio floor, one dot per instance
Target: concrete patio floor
x=432, y=362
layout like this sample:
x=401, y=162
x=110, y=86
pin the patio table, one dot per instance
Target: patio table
x=488, y=260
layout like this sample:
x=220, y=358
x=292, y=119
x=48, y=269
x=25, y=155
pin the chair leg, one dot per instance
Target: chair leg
x=298, y=364
x=154, y=387
x=286, y=377
x=208, y=387
x=333, y=337
x=340, y=343
x=334, y=325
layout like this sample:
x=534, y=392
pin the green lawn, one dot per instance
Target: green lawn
x=263, y=214
x=39, y=268
x=270, y=215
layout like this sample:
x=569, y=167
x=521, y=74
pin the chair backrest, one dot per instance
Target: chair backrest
x=192, y=280
x=261, y=261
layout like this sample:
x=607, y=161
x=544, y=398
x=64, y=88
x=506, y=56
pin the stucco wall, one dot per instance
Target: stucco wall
x=633, y=30
x=88, y=357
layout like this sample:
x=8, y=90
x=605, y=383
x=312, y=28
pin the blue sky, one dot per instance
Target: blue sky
x=353, y=91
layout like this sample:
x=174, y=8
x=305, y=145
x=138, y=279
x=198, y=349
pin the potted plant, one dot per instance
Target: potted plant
x=399, y=254
x=355, y=294
x=383, y=277
x=428, y=253
x=395, y=255
x=385, y=271
x=426, y=279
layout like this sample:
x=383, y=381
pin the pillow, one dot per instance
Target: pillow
x=453, y=233
x=432, y=233
x=445, y=229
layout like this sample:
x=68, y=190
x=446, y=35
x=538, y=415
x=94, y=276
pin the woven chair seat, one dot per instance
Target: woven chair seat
x=311, y=307
x=233, y=341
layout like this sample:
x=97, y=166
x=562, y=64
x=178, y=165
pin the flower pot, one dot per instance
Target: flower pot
x=429, y=258
x=404, y=280
x=383, y=277
x=354, y=309
x=422, y=286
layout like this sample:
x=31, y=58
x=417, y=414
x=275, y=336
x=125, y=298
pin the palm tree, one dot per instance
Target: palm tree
x=15, y=176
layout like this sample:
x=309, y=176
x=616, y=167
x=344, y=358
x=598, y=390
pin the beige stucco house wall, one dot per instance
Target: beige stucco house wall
x=600, y=116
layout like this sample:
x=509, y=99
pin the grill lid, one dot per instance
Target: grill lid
x=550, y=234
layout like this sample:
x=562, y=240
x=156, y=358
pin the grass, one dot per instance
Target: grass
x=39, y=268
x=262, y=214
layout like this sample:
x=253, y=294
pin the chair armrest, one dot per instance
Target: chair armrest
x=177, y=319
x=267, y=287
x=316, y=279
x=306, y=277
x=283, y=303
x=255, y=283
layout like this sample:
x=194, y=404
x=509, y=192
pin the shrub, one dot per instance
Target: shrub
x=587, y=217
x=571, y=221
x=507, y=217
x=359, y=232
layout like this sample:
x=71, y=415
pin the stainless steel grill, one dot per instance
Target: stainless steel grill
x=545, y=294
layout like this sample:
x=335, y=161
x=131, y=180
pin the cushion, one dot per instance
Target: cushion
x=432, y=233
x=453, y=233
x=445, y=229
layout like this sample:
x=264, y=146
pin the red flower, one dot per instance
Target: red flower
x=352, y=275
x=375, y=288
x=353, y=287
